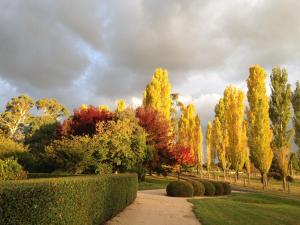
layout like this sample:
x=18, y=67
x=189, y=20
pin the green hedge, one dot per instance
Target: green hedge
x=219, y=188
x=85, y=200
x=180, y=189
x=210, y=189
x=199, y=188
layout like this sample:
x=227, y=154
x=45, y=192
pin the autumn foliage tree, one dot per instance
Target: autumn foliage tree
x=158, y=93
x=220, y=136
x=208, y=139
x=234, y=123
x=259, y=131
x=159, y=136
x=190, y=133
x=182, y=157
x=84, y=121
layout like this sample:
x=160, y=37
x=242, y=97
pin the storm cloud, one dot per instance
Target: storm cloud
x=95, y=52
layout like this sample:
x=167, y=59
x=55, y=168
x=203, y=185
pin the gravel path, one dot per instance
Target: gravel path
x=153, y=207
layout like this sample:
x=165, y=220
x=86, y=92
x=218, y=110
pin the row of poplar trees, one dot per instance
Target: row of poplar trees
x=185, y=126
x=259, y=133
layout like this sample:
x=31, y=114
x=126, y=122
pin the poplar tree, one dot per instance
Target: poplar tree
x=121, y=105
x=259, y=131
x=234, y=125
x=280, y=115
x=296, y=119
x=198, y=143
x=208, y=139
x=221, y=140
x=158, y=93
x=221, y=135
x=190, y=133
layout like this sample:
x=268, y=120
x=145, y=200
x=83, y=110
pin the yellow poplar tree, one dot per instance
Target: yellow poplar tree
x=198, y=143
x=103, y=107
x=158, y=93
x=190, y=133
x=220, y=135
x=209, y=146
x=234, y=123
x=220, y=140
x=259, y=131
x=121, y=105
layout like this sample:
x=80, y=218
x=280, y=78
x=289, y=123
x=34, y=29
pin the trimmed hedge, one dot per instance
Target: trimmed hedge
x=180, y=189
x=219, y=188
x=209, y=188
x=84, y=200
x=227, y=188
x=199, y=188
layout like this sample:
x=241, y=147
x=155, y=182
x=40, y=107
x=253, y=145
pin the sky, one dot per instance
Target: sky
x=97, y=51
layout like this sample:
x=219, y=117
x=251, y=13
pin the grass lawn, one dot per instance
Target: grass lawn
x=247, y=209
x=155, y=182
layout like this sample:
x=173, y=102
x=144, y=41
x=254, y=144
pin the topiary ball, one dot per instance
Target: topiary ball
x=227, y=188
x=199, y=188
x=180, y=189
x=219, y=188
x=209, y=188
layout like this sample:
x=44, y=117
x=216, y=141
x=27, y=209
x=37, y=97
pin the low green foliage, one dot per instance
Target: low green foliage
x=219, y=188
x=10, y=169
x=10, y=148
x=226, y=187
x=199, y=188
x=180, y=189
x=247, y=208
x=66, y=201
x=210, y=189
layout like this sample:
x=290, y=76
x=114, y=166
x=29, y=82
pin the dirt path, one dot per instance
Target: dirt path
x=153, y=207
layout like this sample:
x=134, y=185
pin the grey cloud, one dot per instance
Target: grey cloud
x=97, y=51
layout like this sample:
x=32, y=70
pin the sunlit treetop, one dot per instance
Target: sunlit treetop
x=158, y=93
x=121, y=105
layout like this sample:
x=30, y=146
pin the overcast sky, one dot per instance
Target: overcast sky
x=94, y=52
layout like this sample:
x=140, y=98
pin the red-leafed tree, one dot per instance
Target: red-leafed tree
x=183, y=157
x=159, y=136
x=84, y=121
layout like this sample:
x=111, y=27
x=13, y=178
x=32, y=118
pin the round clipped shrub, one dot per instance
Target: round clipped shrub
x=219, y=188
x=180, y=189
x=209, y=188
x=199, y=188
x=227, y=188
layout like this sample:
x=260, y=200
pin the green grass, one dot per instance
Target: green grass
x=155, y=182
x=247, y=209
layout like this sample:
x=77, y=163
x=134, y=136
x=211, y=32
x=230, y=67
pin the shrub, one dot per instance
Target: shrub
x=180, y=189
x=209, y=188
x=66, y=201
x=219, y=188
x=10, y=169
x=227, y=188
x=199, y=188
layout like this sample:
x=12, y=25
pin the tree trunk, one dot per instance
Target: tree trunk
x=224, y=172
x=284, y=183
x=264, y=180
x=248, y=178
x=208, y=175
